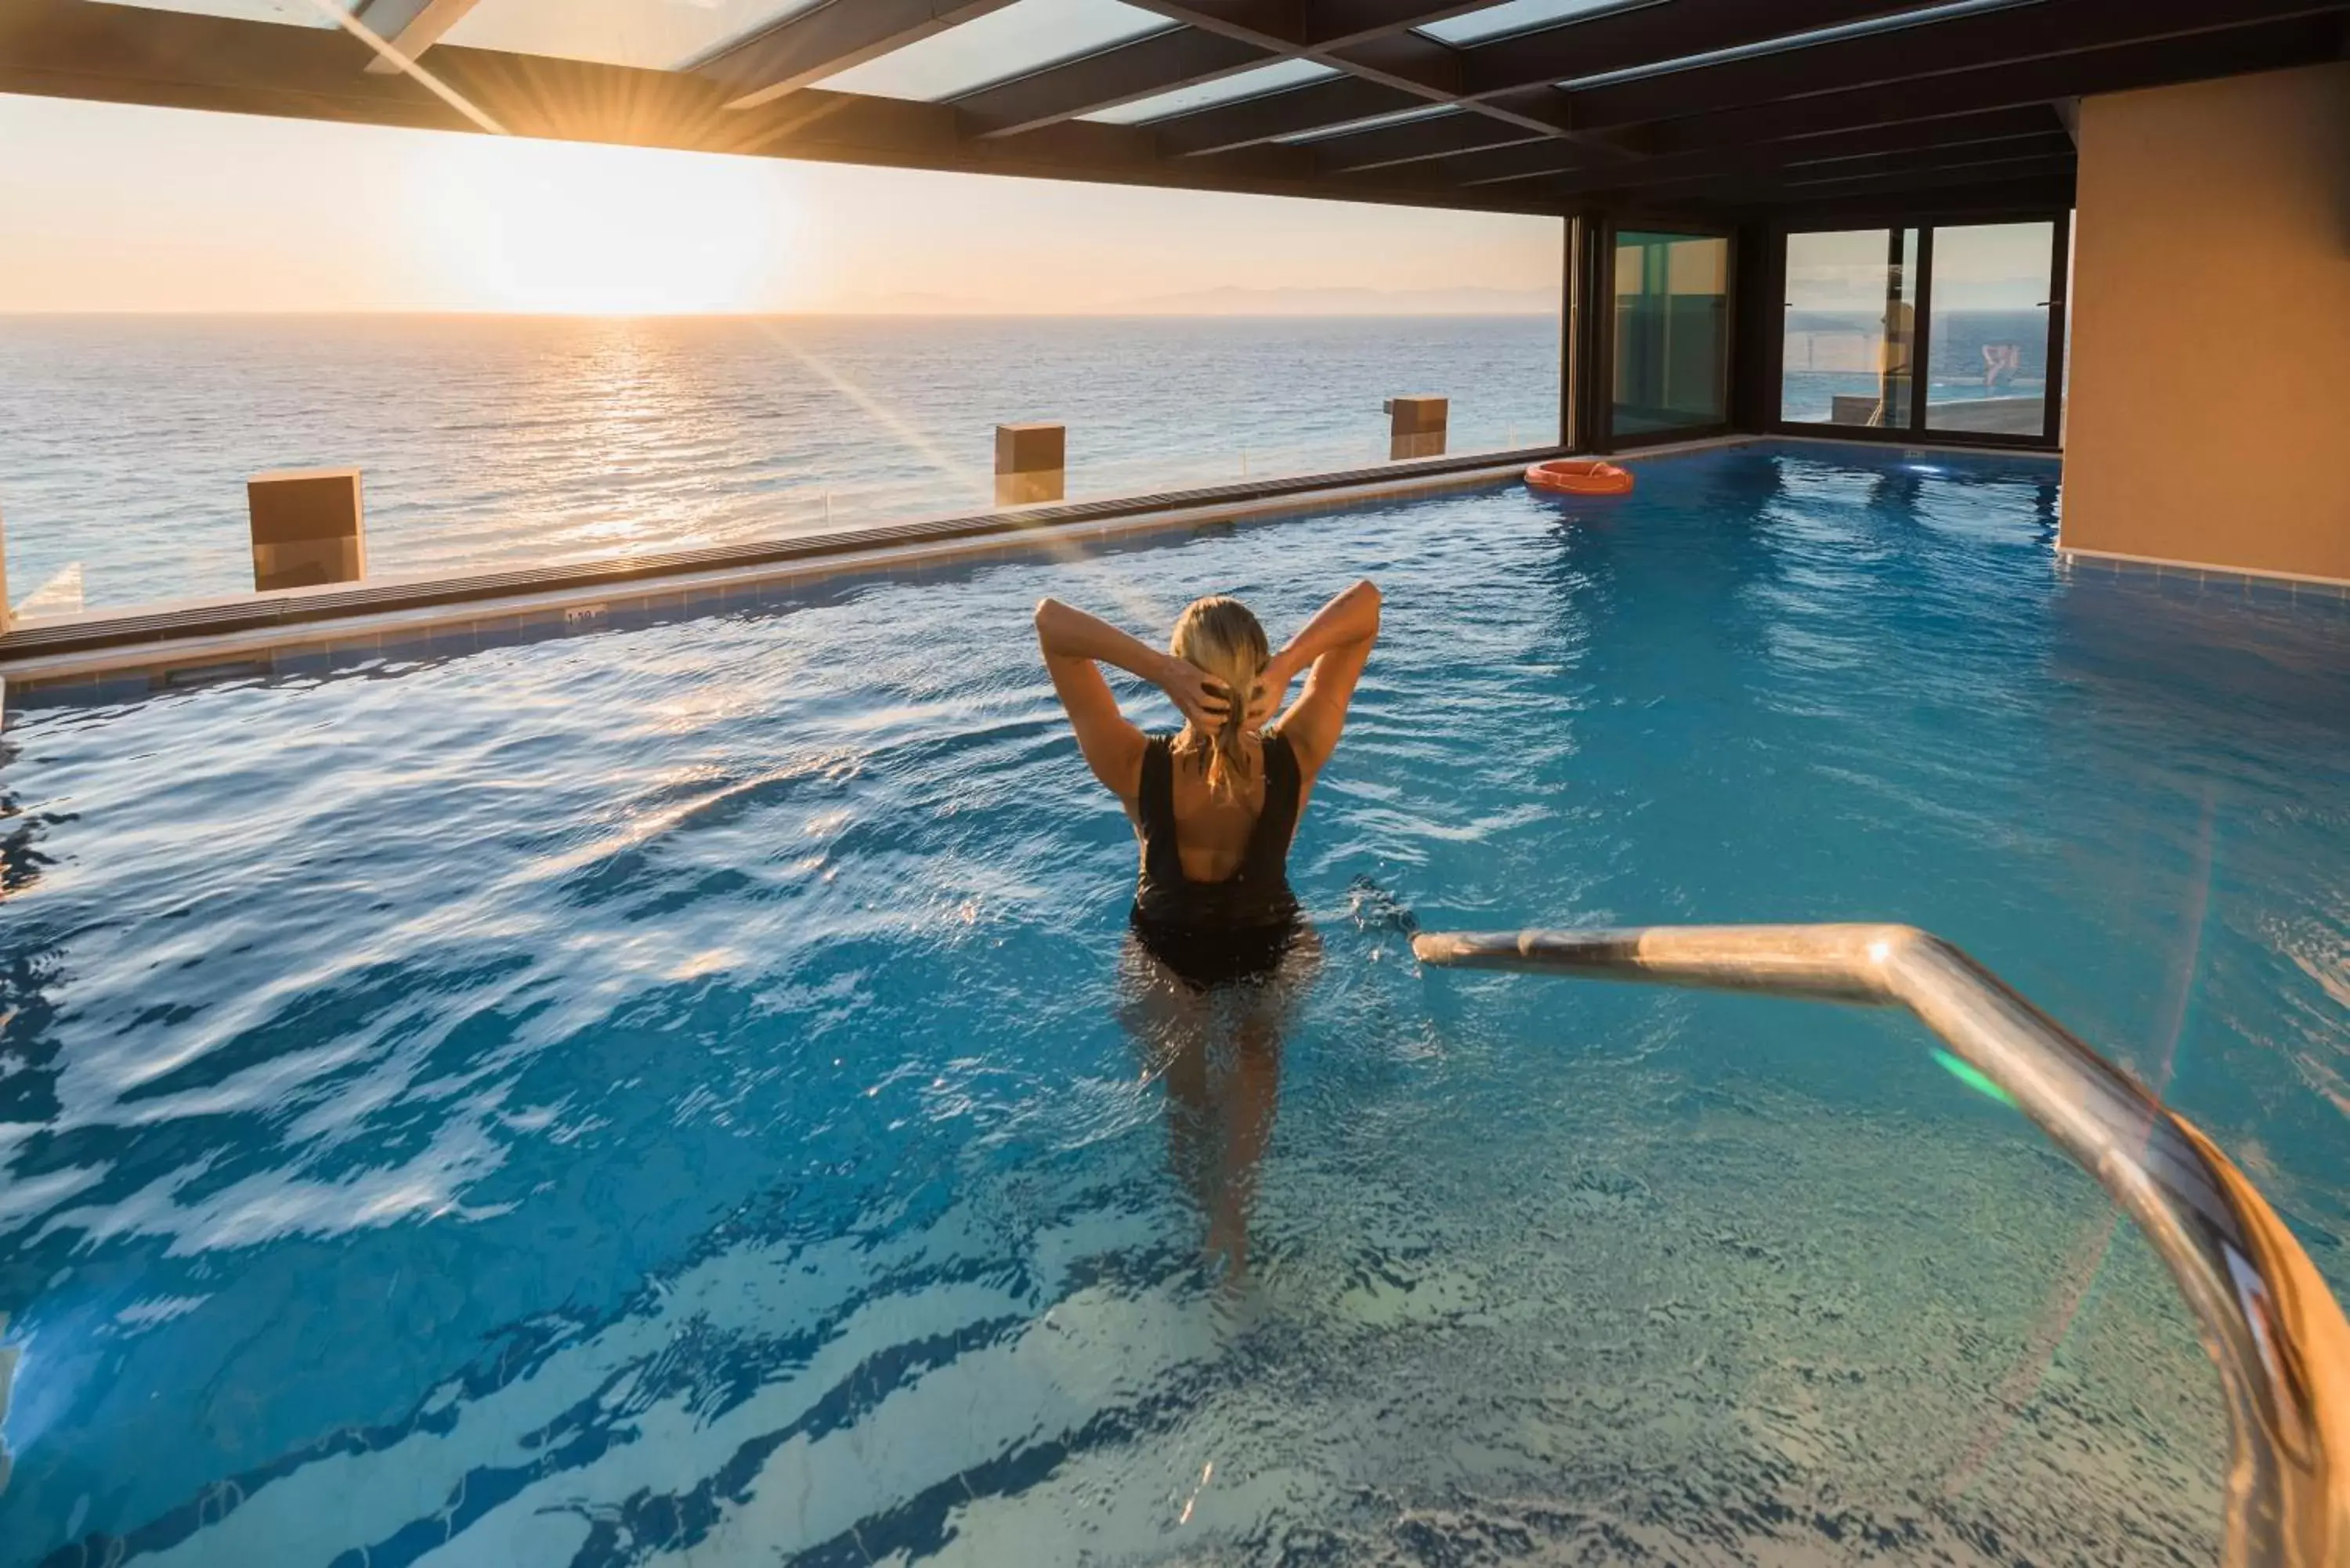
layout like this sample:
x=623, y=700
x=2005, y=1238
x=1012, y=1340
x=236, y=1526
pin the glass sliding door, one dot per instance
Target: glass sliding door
x=1937, y=329
x=1670, y=333
x=1988, y=332
x=1848, y=343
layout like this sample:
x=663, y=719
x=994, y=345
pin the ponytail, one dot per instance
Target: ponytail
x=1220, y=637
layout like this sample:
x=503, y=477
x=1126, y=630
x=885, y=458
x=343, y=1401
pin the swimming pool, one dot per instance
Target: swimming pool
x=660, y=1095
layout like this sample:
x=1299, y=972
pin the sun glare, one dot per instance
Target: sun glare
x=565, y=228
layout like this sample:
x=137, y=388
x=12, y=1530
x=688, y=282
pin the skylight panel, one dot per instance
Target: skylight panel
x=1518, y=16
x=300, y=13
x=655, y=35
x=1022, y=37
x=1252, y=83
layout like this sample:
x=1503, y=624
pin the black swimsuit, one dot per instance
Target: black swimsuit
x=1215, y=933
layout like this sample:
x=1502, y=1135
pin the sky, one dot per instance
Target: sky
x=113, y=208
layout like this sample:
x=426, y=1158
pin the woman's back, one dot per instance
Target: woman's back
x=1212, y=856
x=1216, y=806
x=1214, y=827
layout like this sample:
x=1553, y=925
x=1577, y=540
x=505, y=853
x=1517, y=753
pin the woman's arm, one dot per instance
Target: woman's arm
x=1076, y=645
x=1335, y=645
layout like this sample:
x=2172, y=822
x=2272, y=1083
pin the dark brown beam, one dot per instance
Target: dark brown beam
x=1927, y=195
x=1317, y=106
x=1652, y=35
x=2273, y=46
x=1292, y=26
x=1219, y=40
x=1990, y=40
x=813, y=44
x=2050, y=143
x=1931, y=108
x=1958, y=135
x=1508, y=78
x=2007, y=201
x=1416, y=140
x=1393, y=57
x=1994, y=160
x=2048, y=169
x=1161, y=62
x=1277, y=26
x=409, y=26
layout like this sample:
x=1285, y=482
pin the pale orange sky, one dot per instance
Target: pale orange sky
x=107, y=208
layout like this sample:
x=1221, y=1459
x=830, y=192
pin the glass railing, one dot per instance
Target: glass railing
x=654, y=513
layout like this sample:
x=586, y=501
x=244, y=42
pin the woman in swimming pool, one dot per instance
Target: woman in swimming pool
x=1216, y=931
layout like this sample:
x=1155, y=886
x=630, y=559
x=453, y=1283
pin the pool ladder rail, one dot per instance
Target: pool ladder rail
x=2265, y=1315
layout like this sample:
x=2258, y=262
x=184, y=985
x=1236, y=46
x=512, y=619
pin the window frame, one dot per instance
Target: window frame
x=1917, y=434
x=1599, y=394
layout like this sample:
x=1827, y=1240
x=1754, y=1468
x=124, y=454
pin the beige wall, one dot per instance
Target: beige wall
x=2209, y=420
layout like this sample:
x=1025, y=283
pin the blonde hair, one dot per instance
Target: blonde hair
x=1219, y=637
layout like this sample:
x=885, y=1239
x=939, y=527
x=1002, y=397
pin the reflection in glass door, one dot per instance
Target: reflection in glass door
x=1988, y=332
x=1671, y=332
x=1950, y=329
x=1850, y=328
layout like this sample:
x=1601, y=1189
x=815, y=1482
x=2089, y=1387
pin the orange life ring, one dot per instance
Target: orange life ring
x=1580, y=476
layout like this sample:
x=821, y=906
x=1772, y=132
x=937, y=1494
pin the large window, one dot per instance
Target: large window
x=1851, y=328
x=1988, y=365
x=1671, y=328
x=1971, y=305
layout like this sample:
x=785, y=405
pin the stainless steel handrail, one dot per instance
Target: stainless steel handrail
x=2266, y=1317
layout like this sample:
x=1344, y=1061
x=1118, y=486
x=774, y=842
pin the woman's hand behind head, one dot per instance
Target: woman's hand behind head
x=1197, y=695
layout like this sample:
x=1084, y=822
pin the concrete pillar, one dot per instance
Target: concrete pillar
x=1031, y=464
x=307, y=528
x=2208, y=407
x=1415, y=427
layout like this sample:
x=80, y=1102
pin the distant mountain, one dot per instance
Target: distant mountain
x=1235, y=301
x=914, y=303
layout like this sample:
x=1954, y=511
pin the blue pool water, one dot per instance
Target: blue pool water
x=662, y=1096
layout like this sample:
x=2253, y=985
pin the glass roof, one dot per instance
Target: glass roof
x=299, y=12
x=1517, y=16
x=1020, y=38
x=1255, y=82
x=658, y=35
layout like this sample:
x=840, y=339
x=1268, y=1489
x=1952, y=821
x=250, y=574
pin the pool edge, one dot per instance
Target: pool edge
x=129, y=654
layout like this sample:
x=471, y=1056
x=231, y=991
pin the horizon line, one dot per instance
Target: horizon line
x=998, y=313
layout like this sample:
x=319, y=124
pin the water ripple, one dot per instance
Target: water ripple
x=664, y=1095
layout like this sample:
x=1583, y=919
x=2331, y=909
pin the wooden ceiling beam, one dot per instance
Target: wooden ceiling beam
x=1419, y=140
x=2273, y=46
x=1996, y=40
x=1299, y=112
x=1645, y=36
x=409, y=27
x=1534, y=161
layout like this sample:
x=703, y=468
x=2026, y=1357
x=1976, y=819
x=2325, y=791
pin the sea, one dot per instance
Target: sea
x=490, y=442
